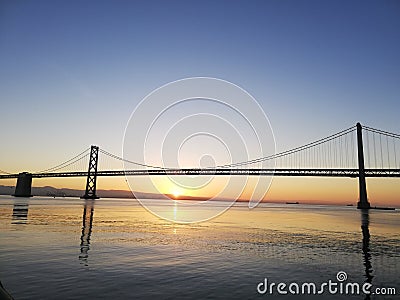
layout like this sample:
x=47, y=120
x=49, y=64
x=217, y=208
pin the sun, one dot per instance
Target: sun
x=176, y=193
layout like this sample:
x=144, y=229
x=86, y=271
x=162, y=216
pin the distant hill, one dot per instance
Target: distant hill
x=64, y=192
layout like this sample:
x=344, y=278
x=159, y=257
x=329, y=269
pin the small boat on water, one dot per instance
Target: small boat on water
x=292, y=202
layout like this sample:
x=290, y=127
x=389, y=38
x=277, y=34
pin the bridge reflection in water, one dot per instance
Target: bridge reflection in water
x=365, y=247
x=20, y=211
x=87, y=223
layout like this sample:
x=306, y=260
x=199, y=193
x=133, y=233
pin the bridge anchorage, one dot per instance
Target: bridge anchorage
x=24, y=184
x=374, y=153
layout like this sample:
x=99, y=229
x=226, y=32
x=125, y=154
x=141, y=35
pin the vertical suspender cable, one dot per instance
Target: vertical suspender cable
x=395, y=158
x=375, y=166
x=380, y=144
x=387, y=148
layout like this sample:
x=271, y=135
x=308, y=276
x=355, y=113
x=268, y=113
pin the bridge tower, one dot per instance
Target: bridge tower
x=90, y=192
x=363, y=201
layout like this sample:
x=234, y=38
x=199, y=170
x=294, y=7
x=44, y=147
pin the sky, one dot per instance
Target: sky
x=72, y=72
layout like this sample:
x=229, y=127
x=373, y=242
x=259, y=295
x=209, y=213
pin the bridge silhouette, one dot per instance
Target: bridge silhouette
x=343, y=154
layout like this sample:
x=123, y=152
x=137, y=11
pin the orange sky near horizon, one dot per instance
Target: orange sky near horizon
x=313, y=190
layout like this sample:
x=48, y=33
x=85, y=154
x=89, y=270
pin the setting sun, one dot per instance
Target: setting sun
x=176, y=193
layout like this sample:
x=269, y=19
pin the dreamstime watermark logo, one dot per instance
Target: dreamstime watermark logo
x=333, y=287
x=198, y=123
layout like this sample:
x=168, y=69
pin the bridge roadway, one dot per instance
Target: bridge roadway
x=225, y=172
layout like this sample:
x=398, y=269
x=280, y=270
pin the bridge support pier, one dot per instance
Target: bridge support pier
x=90, y=192
x=363, y=202
x=24, y=185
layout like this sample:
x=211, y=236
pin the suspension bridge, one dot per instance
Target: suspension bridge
x=356, y=152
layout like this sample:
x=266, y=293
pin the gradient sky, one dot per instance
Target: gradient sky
x=71, y=72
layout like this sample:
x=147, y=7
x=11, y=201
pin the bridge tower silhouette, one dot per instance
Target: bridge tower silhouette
x=363, y=202
x=90, y=192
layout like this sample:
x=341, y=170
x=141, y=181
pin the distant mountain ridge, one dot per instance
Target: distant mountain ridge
x=65, y=192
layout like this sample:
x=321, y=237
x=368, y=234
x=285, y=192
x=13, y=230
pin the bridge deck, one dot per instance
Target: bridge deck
x=226, y=172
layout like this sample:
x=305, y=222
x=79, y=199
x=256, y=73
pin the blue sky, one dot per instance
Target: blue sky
x=71, y=72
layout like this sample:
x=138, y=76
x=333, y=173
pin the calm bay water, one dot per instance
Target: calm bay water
x=115, y=249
